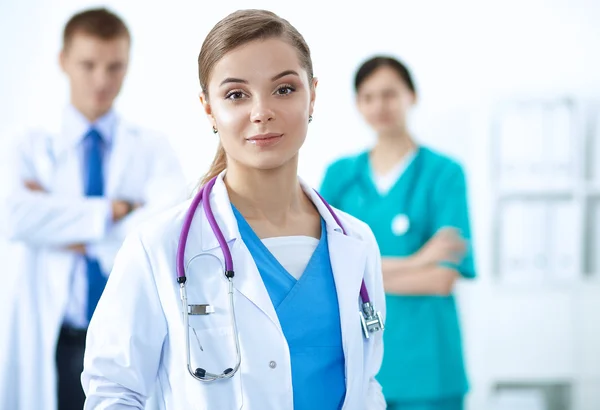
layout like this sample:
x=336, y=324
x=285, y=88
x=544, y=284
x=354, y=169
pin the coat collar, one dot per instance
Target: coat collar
x=223, y=212
x=348, y=258
x=348, y=255
x=75, y=126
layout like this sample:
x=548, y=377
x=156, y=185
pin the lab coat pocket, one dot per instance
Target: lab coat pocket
x=214, y=350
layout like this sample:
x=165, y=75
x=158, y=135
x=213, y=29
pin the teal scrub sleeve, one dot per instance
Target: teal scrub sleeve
x=451, y=209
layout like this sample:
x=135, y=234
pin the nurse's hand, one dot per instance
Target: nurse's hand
x=425, y=280
x=442, y=280
x=445, y=246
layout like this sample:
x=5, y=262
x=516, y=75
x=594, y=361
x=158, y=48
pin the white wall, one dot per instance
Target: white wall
x=466, y=55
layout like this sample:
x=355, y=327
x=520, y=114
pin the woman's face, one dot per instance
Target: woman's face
x=260, y=100
x=384, y=100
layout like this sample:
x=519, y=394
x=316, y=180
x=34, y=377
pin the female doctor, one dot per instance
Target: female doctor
x=415, y=201
x=277, y=289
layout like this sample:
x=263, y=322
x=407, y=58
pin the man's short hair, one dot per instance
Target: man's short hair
x=100, y=23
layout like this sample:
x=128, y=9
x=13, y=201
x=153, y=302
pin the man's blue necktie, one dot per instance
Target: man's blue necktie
x=94, y=186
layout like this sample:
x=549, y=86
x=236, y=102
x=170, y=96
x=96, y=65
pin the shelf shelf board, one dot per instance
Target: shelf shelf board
x=549, y=283
x=593, y=189
x=539, y=191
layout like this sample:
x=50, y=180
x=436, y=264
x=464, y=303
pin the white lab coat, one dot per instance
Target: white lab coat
x=136, y=339
x=142, y=168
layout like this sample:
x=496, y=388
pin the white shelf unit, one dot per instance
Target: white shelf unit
x=545, y=295
x=540, y=191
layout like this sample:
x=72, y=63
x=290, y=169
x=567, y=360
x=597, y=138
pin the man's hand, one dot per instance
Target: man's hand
x=34, y=186
x=77, y=248
x=120, y=209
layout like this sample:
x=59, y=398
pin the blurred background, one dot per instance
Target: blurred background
x=509, y=89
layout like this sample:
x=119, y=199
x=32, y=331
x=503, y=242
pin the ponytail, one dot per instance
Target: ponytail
x=218, y=165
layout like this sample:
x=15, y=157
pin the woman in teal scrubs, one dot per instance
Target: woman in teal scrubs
x=414, y=199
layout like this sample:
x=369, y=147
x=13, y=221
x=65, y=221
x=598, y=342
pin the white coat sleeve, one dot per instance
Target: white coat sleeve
x=125, y=336
x=44, y=218
x=375, y=399
x=164, y=188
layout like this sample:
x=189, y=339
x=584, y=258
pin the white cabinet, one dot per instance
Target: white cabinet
x=535, y=146
x=565, y=245
x=544, y=299
x=522, y=253
x=592, y=236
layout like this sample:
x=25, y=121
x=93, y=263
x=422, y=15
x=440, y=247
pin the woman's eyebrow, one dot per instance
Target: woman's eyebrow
x=274, y=78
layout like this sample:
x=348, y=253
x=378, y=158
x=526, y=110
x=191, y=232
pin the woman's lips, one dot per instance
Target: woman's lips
x=265, y=140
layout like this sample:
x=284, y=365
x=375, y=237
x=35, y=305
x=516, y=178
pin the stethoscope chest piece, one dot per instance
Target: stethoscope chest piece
x=370, y=319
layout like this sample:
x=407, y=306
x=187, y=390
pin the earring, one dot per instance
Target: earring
x=215, y=130
x=309, y=119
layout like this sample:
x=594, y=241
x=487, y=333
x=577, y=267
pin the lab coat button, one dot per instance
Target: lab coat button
x=272, y=364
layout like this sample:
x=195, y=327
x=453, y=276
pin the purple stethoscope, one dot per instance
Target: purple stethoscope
x=370, y=319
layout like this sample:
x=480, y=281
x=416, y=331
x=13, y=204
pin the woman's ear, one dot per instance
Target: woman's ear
x=207, y=109
x=313, y=95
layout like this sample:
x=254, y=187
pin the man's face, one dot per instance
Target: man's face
x=96, y=69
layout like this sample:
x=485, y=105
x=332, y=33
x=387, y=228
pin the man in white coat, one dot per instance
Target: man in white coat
x=73, y=195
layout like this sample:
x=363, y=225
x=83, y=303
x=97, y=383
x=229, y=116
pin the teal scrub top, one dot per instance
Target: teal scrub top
x=423, y=355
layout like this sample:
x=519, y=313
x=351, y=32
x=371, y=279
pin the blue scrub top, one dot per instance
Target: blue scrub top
x=308, y=311
x=423, y=358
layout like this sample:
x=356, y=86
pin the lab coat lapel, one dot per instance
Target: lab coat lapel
x=250, y=284
x=64, y=176
x=348, y=256
x=124, y=141
x=247, y=279
x=348, y=262
x=65, y=180
x=57, y=166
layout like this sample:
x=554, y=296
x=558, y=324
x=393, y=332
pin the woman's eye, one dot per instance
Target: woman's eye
x=285, y=90
x=234, y=95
